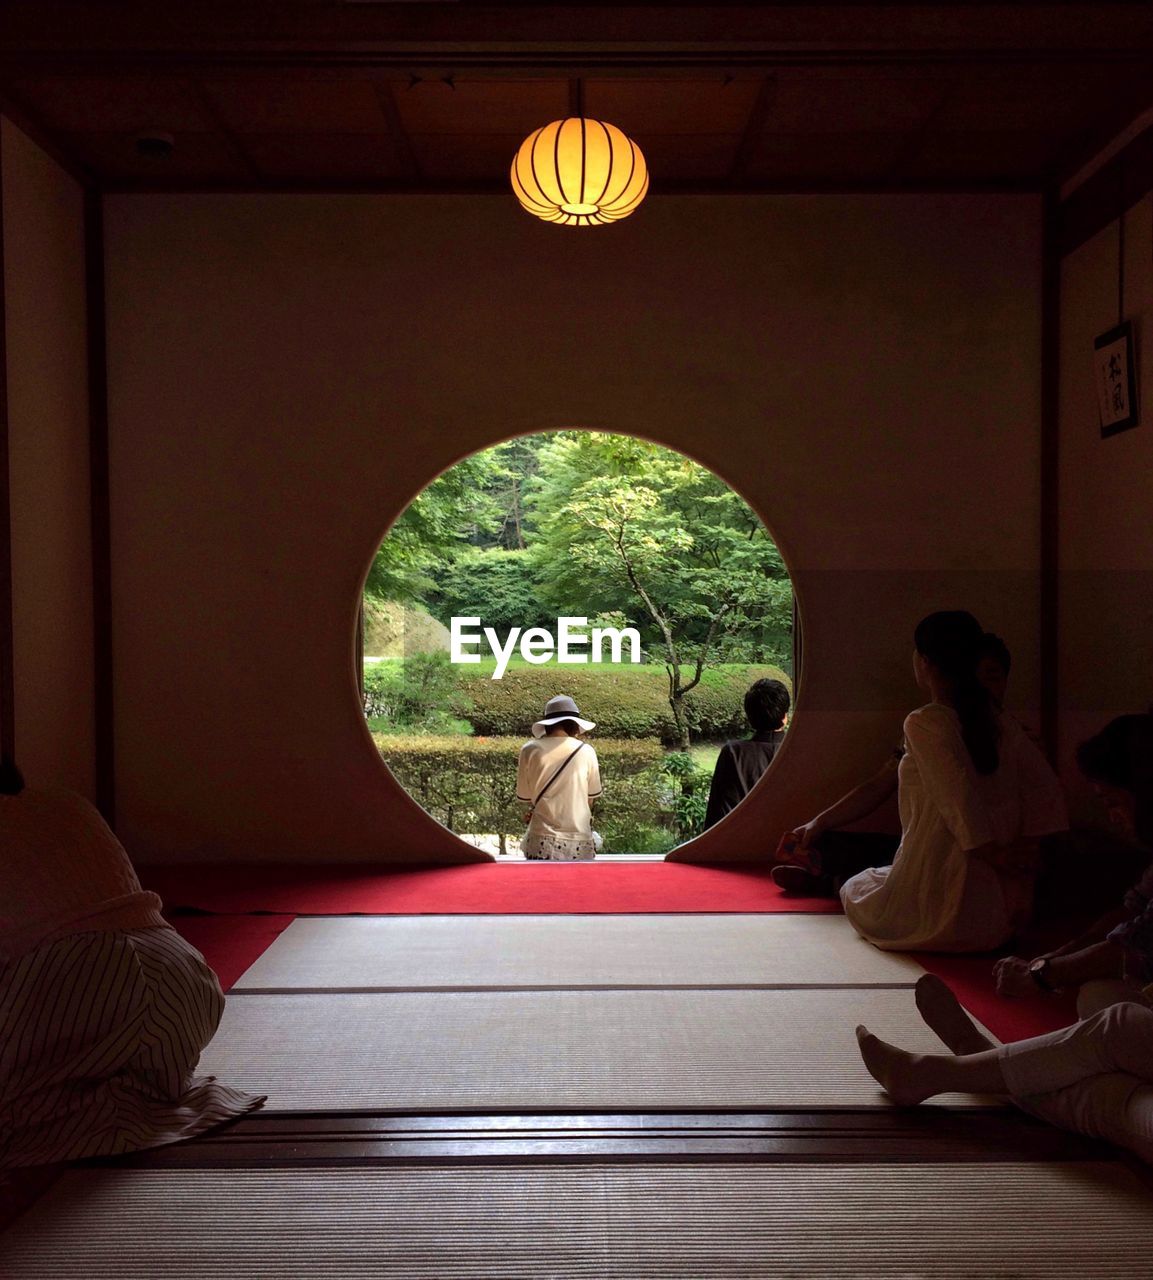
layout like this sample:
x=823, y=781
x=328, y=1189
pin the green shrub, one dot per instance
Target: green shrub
x=625, y=702
x=493, y=584
x=418, y=692
x=469, y=785
x=689, y=792
x=637, y=837
x=435, y=726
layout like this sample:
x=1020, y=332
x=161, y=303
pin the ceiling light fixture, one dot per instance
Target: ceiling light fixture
x=579, y=173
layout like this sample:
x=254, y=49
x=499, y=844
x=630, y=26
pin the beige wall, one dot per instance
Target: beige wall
x=1106, y=497
x=48, y=450
x=287, y=371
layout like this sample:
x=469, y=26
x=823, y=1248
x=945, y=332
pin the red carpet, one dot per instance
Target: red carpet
x=248, y=906
x=971, y=978
x=230, y=944
x=480, y=889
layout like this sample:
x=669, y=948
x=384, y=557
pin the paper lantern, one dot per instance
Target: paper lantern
x=579, y=173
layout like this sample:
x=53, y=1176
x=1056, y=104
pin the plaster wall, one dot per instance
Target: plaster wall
x=44, y=300
x=1105, y=495
x=287, y=371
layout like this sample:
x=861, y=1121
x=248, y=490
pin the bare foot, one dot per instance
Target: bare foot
x=943, y=1013
x=896, y=1071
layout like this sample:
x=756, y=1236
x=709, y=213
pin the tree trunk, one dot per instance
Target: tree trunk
x=516, y=515
x=677, y=704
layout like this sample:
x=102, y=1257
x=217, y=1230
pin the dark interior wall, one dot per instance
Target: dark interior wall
x=287, y=371
x=1106, y=493
x=44, y=301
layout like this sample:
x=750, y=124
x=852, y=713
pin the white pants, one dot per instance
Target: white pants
x=1095, y=1077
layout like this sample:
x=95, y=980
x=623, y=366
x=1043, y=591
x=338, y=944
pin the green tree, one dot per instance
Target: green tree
x=478, y=504
x=514, y=464
x=492, y=584
x=431, y=531
x=627, y=525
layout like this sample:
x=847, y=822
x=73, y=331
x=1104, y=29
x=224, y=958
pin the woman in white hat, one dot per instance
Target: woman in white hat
x=558, y=776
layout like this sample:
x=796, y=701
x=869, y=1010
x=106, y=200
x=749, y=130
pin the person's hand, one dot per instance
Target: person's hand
x=1013, y=978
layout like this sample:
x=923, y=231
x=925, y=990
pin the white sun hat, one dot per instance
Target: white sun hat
x=562, y=707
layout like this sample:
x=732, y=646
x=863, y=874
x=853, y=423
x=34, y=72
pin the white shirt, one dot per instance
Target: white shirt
x=935, y=897
x=564, y=808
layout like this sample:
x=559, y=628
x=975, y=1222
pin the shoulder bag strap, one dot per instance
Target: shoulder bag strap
x=563, y=767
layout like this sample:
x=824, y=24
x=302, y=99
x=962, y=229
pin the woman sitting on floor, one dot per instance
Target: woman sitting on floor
x=558, y=777
x=975, y=796
x=104, y=1007
x=824, y=855
x=1095, y=1077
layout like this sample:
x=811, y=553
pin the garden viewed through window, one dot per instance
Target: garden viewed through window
x=598, y=566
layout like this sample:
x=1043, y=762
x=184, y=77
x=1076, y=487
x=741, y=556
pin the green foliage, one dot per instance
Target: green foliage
x=494, y=585
x=626, y=702
x=469, y=785
x=391, y=630
x=415, y=693
x=640, y=837
x=430, y=530
x=679, y=764
x=603, y=526
x=478, y=503
x=635, y=527
x=514, y=464
x=438, y=726
x=689, y=792
x=631, y=526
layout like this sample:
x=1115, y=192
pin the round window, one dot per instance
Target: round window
x=599, y=568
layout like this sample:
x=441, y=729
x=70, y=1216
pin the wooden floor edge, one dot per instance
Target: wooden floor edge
x=929, y=1135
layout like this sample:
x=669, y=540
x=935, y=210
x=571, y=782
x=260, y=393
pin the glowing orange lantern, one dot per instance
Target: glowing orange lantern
x=579, y=173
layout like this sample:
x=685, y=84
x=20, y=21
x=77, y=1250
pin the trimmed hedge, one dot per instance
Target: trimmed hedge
x=469, y=786
x=625, y=703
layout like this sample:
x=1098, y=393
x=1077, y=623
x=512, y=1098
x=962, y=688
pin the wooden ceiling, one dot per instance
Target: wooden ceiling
x=435, y=96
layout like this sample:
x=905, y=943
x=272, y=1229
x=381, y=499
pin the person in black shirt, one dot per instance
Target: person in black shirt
x=741, y=763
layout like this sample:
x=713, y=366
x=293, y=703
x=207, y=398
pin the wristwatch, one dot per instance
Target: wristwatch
x=1037, y=971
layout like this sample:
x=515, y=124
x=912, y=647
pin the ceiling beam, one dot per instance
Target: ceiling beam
x=402, y=143
x=1115, y=118
x=494, y=187
x=30, y=124
x=56, y=27
x=917, y=139
x=227, y=134
x=754, y=129
x=435, y=64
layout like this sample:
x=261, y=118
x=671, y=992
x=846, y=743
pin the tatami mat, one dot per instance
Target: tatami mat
x=593, y=1050
x=430, y=952
x=606, y=1222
